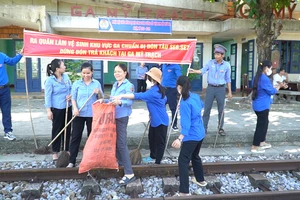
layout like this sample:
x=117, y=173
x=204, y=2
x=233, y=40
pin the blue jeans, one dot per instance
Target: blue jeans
x=5, y=105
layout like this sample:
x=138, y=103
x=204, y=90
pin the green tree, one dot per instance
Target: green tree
x=267, y=28
x=73, y=68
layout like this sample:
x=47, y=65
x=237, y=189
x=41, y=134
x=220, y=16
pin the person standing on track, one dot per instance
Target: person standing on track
x=219, y=72
x=191, y=137
x=123, y=111
x=81, y=91
x=57, y=93
x=156, y=100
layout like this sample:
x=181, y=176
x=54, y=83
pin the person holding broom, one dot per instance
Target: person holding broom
x=191, y=137
x=57, y=94
x=156, y=100
x=81, y=91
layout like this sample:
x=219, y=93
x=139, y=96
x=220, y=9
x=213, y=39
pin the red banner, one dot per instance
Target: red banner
x=50, y=45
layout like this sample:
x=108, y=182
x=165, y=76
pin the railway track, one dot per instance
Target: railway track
x=39, y=175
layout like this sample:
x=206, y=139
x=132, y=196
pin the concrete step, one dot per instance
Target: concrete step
x=232, y=139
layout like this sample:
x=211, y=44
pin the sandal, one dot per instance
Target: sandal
x=178, y=194
x=258, y=150
x=55, y=157
x=266, y=146
x=202, y=183
x=222, y=132
x=125, y=180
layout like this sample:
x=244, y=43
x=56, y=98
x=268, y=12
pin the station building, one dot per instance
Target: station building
x=209, y=23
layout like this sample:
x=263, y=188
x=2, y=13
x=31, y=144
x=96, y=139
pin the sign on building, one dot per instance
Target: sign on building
x=135, y=25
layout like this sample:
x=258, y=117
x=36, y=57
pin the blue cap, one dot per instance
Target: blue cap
x=219, y=49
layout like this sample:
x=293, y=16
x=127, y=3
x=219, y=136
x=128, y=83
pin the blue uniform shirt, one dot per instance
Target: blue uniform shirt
x=125, y=88
x=4, y=59
x=170, y=74
x=156, y=106
x=218, y=74
x=191, y=121
x=81, y=92
x=56, y=91
x=141, y=71
x=264, y=91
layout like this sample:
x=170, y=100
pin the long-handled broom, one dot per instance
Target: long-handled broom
x=135, y=155
x=46, y=149
x=63, y=158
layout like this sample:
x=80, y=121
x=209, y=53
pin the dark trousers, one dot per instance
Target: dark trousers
x=58, y=123
x=5, y=105
x=189, y=151
x=211, y=93
x=77, y=129
x=141, y=85
x=261, y=129
x=171, y=94
x=122, y=148
x=157, y=142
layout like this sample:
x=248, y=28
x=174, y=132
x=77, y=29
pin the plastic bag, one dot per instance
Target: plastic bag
x=100, y=148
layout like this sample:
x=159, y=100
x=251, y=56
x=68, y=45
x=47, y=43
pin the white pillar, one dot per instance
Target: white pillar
x=207, y=52
x=239, y=66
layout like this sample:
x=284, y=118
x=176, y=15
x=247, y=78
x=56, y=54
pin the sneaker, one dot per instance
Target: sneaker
x=9, y=136
x=175, y=128
x=266, y=146
x=70, y=165
x=258, y=150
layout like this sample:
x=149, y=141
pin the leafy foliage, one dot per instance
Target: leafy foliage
x=267, y=28
x=73, y=68
x=260, y=8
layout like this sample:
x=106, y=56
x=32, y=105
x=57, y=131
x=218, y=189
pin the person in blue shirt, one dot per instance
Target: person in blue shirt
x=191, y=137
x=5, y=98
x=81, y=90
x=123, y=111
x=159, y=66
x=141, y=77
x=170, y=74
x=159, y=120
x=219, y=73
x=57, y=94
x=261, y=96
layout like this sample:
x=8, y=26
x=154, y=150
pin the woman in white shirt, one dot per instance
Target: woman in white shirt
x=280, y=77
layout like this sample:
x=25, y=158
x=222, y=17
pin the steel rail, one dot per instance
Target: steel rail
x=43, y=174
x=274, y=195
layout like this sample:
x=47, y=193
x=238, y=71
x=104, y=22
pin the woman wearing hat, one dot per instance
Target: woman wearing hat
x=159, y=120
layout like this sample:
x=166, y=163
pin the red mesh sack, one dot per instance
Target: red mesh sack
x=100, y=148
